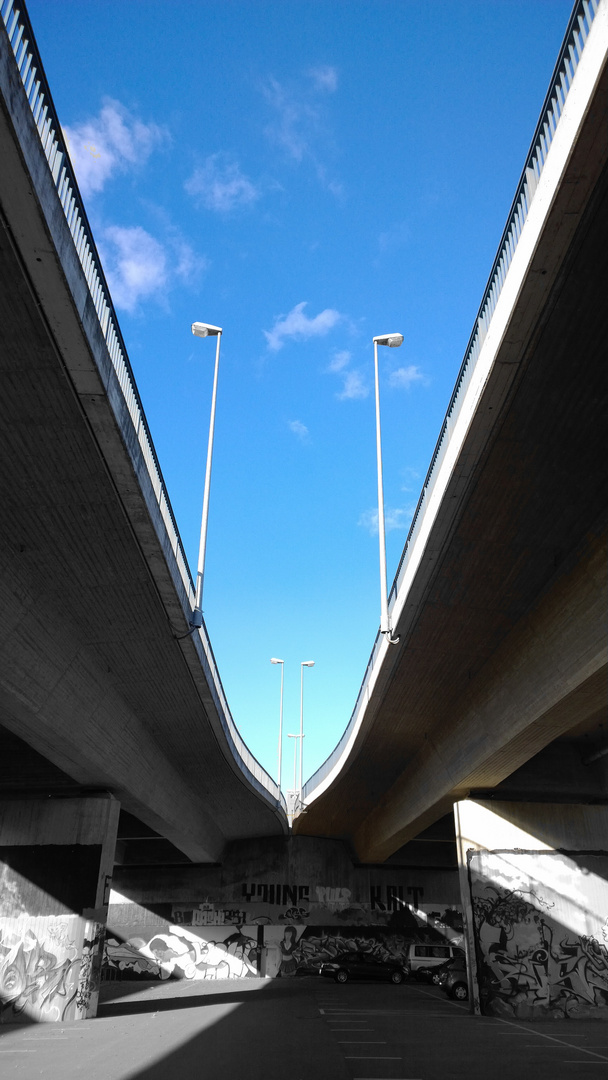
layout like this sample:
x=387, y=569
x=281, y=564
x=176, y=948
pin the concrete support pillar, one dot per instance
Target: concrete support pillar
x=534, y=889
x=56, y=861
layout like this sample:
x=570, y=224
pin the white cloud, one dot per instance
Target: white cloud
x=403, y=377
x=189, y=265
x=298, y=428
x=220, y=185
x=396, y=518
x=354, y=386
x=411, y=479
x=139, y=267
x=293, y=118
x=298, y=325
x=339, y=360
x=299, y=126
x=112, y=142
x=324, y=78
x=135, y=265
x=354, y=383
x=396, y=237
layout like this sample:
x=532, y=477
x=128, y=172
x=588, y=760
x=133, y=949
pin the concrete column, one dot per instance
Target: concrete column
x=56, y=861
x=534, y=890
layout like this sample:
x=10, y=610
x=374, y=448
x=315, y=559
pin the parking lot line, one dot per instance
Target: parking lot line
x=560, y=1043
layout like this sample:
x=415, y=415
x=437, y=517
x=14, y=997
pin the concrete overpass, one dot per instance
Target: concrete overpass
x=498, y=683
x=102, y=688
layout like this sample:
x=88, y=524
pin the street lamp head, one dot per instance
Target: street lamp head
x=273, y=660
x=308, y=663
x=392, y=340
x=203, y=329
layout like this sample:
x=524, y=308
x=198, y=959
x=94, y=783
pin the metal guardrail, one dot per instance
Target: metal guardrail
x=29, y=65
x=582, y=17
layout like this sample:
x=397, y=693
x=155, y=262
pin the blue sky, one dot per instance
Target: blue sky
x=306, y=175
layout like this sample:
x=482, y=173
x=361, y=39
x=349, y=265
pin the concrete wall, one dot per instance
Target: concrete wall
x=56, y=858
x=274, y=906
x=534, y=880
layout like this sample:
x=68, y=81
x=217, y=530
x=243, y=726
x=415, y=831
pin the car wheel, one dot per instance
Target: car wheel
x=341, y=976
x=460, y=991
x=396, y=977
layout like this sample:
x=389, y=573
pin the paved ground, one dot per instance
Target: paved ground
x=299, y=1029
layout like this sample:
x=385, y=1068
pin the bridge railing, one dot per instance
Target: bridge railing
x=16, y=23
x=582, y=17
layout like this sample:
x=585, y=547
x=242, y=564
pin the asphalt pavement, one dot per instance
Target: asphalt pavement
x=297, y=1029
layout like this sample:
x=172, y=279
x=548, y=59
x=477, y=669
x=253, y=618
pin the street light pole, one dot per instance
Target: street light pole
x=295, y=761
x=275, y=661
x=305, y=663
x=205, y=330
x=393, y=341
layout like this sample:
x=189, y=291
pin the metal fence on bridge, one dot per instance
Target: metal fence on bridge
x=568, y=60
x=16, y=23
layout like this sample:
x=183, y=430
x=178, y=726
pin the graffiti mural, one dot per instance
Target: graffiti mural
x=89, y=979
x=184, y=954
x=236, y=952
x=40, y=969
x=541, y=933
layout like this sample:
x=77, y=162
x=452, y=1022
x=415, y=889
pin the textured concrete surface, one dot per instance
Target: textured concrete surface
x=502, y=627
x=96, y=673
x=304, y=1029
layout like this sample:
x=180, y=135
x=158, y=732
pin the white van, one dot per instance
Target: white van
x=429, y=956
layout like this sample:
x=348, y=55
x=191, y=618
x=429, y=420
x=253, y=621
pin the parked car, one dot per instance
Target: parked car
x=431, y=974
x=453, y=979
x=359, y=965
x=429, y=956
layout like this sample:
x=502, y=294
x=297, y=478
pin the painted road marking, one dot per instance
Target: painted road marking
x=560, y=1042
x=454, y=1004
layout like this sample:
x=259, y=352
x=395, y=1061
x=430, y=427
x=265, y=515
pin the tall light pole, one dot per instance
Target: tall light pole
x=295, y=760
x=305, y=663
x=393, y=341
x=200, y=329
x=275, y=661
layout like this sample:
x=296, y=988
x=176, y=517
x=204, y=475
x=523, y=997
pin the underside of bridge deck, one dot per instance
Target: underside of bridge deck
x=98, y=676
x=504, y=646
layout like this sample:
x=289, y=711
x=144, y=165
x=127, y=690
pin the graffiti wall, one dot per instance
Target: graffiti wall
x=207, y=941
x=541, y=933
x=46, y=968
x=50, y=947
x=275, y=907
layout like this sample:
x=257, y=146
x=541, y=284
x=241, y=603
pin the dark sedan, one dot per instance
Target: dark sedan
x=357, y=965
